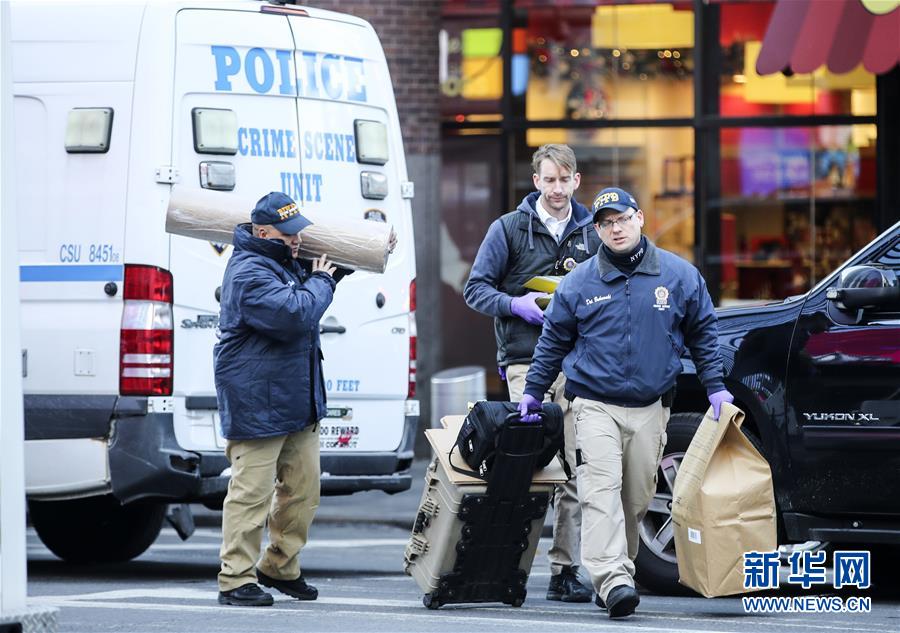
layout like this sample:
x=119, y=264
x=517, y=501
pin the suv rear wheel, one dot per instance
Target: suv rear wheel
x=96, y=529
x=656, y=567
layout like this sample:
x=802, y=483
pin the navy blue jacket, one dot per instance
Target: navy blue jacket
x=268, y=364
x=619, y=339
x=516, y=248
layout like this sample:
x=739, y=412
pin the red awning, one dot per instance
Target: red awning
x=804, y=34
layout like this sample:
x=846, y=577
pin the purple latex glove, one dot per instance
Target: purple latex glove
x=527, y=309
x=716, y=399
x=502, y=372
x=527, y=406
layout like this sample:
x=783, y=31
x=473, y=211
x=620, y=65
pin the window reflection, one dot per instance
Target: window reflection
x=605, y=62
x=654, y=164
x=796, y=202
x=470, y=70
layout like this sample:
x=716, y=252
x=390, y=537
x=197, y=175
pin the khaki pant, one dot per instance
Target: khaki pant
x=620, y=450
x=274, y=478
x=567, y=513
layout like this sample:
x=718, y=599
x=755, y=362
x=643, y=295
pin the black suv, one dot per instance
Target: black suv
x=818, y=376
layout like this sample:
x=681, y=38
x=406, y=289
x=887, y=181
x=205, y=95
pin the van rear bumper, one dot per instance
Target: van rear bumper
x=344, y=473
x=147, y=462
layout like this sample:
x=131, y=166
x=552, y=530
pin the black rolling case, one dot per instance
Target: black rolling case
x=475, y=540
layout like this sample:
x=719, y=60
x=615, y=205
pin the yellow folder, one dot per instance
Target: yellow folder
x=543, y=283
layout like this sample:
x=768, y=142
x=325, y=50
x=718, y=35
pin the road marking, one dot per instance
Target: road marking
x=190, y=593
x=446, y=616
x=413, y=610
x=503, y=620
x=36, y=548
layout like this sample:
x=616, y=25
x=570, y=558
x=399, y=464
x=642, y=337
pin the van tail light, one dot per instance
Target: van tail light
x=411, y=390
x=146, y=349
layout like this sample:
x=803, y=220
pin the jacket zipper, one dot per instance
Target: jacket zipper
x=629, y=355
x=568, y=234
x=565, y=246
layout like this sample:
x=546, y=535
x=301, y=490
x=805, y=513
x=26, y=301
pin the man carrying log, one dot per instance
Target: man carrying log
x=268, y=370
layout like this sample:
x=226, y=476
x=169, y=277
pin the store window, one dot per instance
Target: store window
x=470, y=69
x=796, y=202
x=745, y=93
x=604, y=62
x=471, y=187
x=655, y=164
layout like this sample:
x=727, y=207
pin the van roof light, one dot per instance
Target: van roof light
x=215, y=131
x=282, y=9
x=88, y=130
x=371, y=142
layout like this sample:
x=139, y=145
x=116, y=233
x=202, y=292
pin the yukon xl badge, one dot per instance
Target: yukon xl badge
x=841, y=417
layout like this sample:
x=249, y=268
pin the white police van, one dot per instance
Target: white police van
x=115, y=103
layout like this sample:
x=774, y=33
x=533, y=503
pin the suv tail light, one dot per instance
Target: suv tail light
x=411, y=390
x=147, y=337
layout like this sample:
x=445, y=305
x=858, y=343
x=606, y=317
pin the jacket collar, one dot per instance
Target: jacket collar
x=244, y=240
x=581, y=215
x=649, y=264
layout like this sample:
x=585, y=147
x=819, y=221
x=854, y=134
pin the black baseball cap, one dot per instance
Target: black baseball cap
x=614, y=199
x=278, y=210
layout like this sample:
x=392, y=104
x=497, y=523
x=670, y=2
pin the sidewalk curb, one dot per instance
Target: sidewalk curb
x=215, y=521
x=362, y=508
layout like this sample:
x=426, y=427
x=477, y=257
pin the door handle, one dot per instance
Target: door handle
x=332, y=329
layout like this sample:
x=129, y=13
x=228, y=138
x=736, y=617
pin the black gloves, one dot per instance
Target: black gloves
x=340, y=273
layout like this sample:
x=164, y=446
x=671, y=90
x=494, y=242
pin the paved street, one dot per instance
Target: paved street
x=357, y=565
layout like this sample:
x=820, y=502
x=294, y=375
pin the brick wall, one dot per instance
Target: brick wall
x=408, y=30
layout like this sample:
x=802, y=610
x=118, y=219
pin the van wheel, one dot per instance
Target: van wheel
x=96, y=529
x=656, y=567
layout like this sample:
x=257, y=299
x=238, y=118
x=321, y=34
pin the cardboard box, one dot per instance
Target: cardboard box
x=723, y=505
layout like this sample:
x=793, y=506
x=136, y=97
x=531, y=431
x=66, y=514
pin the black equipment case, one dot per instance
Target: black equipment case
x=475, y=540
x=480, y=433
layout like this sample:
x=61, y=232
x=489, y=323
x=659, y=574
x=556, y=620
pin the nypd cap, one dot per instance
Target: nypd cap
x=280, y=211
x=614, y=199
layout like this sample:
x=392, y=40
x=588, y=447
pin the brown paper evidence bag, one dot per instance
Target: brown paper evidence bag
x=723, y=505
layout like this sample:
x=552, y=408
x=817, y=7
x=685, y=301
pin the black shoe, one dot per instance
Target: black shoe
x=296, y=588
x=622, y=601
x=566, y=587
x=249, y=595
x=599, y=602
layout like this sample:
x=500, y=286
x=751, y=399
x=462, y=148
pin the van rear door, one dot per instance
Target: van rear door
x=226, y=60
x=342, y=78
